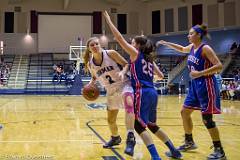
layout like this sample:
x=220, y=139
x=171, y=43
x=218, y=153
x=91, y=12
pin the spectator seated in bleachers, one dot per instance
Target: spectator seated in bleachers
x=69, y=69
x=230, y=90
x=237, y=91
x=71, y=72
x=70, y=78
x=231, y=87
x=237, y=77
x=223, y=90
x=4, y=73
x=58, y=75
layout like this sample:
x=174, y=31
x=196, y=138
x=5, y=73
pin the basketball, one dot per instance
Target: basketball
x=90, y=92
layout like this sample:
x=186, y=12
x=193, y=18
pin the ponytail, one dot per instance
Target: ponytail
x=205, y=31
x=149, y=51
x=86, y=59
x=146, y=47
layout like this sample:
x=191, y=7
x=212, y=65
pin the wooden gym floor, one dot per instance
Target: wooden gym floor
x=64, y=128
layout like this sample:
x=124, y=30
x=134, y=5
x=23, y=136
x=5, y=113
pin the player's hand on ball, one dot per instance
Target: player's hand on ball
x=90, y=92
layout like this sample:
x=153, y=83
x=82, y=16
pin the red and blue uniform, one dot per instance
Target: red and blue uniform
x=203, y=92
x=145, y=96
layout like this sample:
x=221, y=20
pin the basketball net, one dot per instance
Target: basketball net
x=78, y=65
x=1, y=47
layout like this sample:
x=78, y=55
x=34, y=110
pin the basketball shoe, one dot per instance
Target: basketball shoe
x=113, y=142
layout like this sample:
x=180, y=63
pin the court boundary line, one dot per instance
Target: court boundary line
x=102, y=139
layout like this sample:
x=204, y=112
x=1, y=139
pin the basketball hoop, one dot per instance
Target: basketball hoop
x=76, y=53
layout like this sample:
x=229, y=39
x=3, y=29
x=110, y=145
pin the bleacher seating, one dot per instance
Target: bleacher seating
x=234, y=65
x=6, y=66
x=40, y=76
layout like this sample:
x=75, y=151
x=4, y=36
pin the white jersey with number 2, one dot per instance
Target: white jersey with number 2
x=107, y=75
x=107, y=72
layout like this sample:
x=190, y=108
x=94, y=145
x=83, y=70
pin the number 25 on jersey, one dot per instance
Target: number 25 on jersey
x=147, y=68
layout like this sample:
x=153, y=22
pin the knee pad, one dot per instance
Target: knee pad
x=208, y=121
x=128, y=102
x=153, y=128
x=138, y=127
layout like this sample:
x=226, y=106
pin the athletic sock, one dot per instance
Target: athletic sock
x=153, y=151
x=188, y=137
x=170, y=145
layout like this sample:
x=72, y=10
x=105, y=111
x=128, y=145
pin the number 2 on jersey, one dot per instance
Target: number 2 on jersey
x=109, y=78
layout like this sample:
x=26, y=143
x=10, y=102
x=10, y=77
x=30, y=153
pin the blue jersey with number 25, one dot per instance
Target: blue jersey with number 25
x=141, y=72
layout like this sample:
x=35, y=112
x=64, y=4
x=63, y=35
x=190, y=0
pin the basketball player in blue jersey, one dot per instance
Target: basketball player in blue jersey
x=203, y=92
x=103, y=66
x=145, y=96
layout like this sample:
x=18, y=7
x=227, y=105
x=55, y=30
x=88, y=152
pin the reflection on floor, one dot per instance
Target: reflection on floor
x=69, y=127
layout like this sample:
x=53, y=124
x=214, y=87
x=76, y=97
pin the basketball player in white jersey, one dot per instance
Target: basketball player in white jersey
x=104, y=67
